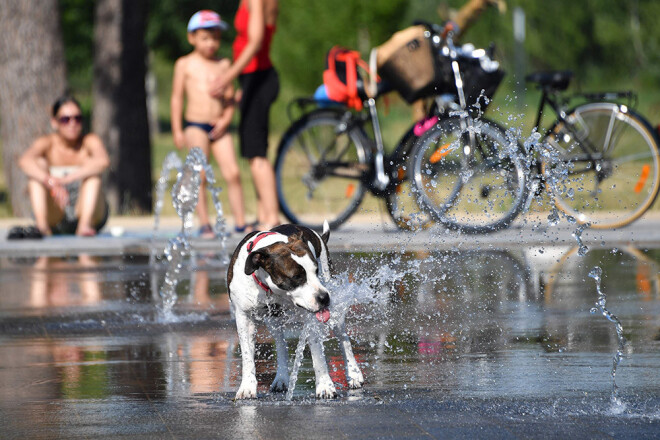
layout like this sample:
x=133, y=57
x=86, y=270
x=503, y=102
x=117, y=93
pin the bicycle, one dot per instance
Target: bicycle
x=599, y=161
x=327, y=159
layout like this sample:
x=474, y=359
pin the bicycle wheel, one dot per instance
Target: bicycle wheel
x=469, y=179
x=319, y=169
x=400, y=199
x=618, y=181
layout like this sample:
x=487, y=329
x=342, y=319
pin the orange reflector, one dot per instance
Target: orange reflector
x=400, y=173
x=398, y=189
x=439, y=153
x=350, y=190
x=646, y=170
x=643, y=284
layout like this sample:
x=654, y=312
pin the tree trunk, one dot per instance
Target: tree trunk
x=120, y=102
x=33, y=75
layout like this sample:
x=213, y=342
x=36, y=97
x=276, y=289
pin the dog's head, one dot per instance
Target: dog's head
x=293, y=270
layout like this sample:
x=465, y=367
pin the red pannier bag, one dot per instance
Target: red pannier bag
x=341, y=76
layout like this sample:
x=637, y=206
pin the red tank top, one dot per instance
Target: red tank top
x=261, y=60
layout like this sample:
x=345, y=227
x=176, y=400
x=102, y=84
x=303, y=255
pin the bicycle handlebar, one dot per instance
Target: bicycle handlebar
x=442, y=31
x=445, y=32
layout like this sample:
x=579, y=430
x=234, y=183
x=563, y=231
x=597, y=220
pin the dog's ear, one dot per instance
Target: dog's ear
x=326, y=232
x=254, y=261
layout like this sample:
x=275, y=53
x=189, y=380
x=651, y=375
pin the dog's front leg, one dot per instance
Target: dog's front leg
x=281, y=381
x=246, y=332
x=325, y=389
x=353, y=374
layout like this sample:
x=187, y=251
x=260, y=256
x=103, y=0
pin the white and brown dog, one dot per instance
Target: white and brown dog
x=279, y=269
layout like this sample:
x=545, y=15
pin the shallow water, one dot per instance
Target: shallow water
x=508, y=329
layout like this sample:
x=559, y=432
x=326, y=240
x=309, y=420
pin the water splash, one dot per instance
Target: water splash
x=185, y=191
x=220, y=225
x=171, y=162
x=177, y=250
x=185, y=196
x=362, y=286
x=555, y=174
x=297, y=361
x=596, y=273
x=582, y=248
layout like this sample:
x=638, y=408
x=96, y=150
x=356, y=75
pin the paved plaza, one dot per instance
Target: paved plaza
x=502, y=355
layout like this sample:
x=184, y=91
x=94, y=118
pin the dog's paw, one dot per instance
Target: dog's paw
x=247, y=390
x=325, y=389
x=280, y=384
x=355, y=378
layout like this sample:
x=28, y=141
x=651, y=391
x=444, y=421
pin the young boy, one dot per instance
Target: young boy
x=206, y=119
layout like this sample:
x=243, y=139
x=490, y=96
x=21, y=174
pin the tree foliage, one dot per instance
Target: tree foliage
x=602, y=40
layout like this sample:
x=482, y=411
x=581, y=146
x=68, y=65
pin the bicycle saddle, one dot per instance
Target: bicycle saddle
x=554, y=80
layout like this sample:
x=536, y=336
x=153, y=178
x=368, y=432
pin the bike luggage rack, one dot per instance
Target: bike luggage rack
x=610, y=96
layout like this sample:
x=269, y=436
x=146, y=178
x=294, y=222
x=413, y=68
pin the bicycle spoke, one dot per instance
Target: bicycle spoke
x=608, y=133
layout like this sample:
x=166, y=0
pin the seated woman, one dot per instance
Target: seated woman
x=64, y=170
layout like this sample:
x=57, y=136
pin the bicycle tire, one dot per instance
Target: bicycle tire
x=476, y=190
x=400, y=199
x=307, y=193
x=623, y=184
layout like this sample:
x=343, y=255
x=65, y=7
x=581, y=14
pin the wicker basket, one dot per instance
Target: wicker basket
x=406, y=61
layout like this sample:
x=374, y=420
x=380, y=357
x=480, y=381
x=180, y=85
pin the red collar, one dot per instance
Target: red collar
x=251, y=244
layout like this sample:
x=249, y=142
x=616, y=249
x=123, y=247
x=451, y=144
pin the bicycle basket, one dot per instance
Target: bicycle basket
x=410, y=63
x=406, y=61
x=478, y=74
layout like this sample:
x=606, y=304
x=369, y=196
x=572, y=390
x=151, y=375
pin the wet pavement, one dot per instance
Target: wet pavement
x=455, y=339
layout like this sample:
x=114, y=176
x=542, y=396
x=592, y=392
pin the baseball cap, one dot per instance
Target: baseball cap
x=206, y=19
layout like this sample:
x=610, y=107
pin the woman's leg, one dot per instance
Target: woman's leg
x=223, y=150
x=90, y=207
x=263, y=177
x=260, y=89
x=46, y=212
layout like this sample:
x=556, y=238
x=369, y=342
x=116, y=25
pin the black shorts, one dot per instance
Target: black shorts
x=259, y=92
x=68, y=226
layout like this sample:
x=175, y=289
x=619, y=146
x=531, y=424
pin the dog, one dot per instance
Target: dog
x=272, y=276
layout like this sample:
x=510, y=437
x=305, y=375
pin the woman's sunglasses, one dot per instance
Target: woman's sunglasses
x=66, y=119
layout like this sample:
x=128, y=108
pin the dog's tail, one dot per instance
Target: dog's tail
x=326, y=232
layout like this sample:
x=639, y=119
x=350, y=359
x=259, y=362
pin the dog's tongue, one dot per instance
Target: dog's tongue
x=323, y=315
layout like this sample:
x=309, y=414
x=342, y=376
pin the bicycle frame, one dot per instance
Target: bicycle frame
x=552, y=98
x=381, y=180
x=379, y=176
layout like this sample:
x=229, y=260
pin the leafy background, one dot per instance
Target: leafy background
x=609, y=44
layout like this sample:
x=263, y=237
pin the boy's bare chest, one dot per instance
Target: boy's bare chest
x=202, y=74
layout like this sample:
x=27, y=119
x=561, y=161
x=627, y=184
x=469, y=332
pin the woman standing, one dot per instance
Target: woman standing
x=255, y=25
